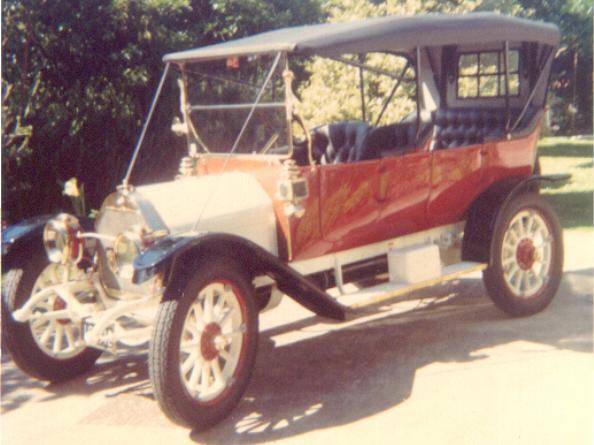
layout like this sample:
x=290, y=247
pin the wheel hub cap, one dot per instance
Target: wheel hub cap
x=209, y=346
x=526, y=254
x=59, y=305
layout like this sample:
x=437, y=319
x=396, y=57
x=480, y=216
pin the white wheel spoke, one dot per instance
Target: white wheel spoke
x=218, y=375
x=224, y=317
x=194, y=375
x=235, y=332
x=189, y=362
x=515, y=280
x=508, y=262
x=538, y=282
x=220, y=304
x=198, y=317
x=58, y=336
x=525, y=281
x=189, y=346
x=46, y=334
x=69, y=337
x=208, y=307
x=225, y=355
x=513, y=270
x=205, y=376
x=36, y=324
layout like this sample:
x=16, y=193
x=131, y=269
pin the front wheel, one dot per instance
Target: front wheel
x=204, y=345
x=51, y=350
x=527, y=257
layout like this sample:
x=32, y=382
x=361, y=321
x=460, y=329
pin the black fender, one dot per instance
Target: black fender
x=483, y=213
x=176, y=257
x=17, y=239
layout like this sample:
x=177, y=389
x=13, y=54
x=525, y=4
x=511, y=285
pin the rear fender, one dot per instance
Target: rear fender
x=484, y=212
x=178, y=258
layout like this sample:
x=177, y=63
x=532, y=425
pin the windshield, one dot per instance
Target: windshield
x=220, y=97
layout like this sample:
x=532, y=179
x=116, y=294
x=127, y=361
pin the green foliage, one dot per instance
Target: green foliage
x=571, y=79
x=78, y=78
x=572, y=199
x=332, y=90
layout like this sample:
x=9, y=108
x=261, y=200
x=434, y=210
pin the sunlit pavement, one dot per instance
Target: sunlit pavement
x=444, y=367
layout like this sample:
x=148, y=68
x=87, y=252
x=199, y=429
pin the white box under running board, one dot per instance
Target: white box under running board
x=414, y=264
x=388, y=290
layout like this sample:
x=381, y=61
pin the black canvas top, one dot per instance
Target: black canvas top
x=391, y=33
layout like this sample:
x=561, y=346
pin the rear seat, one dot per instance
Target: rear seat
x=459, y=127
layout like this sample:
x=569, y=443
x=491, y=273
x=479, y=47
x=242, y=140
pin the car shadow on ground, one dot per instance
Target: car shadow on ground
x=355, y=372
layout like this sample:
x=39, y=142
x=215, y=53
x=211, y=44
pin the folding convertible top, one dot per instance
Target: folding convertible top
x=391, y=33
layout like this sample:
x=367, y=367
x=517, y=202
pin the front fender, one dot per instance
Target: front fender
x=177, y=256
x=22, y=233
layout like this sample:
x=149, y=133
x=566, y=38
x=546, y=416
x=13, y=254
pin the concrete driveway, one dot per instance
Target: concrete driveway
x=443, y=367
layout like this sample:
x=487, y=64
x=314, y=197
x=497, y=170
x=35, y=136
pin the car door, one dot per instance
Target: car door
x=403, y=190
x=456, y=180
x=349, y=205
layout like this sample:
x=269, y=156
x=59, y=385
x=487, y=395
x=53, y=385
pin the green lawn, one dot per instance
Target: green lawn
x=574, y=199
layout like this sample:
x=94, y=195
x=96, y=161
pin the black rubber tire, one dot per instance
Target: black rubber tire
x=17, y=338
x=503, y=297
x=175, y=401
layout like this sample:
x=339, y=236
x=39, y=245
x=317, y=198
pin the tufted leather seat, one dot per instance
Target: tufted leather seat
x=339, y=142
x=352, y=141
x=396, y=139
x=458, y=127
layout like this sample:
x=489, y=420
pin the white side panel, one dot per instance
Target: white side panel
x=232, y=203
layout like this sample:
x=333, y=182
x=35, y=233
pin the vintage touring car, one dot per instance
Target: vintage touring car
x=268, y=203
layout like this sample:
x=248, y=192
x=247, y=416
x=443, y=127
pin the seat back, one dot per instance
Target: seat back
x=459, y=127
x=339, y=142
x=395, y=139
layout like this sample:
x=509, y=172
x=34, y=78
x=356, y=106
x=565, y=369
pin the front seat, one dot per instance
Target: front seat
x=339, y=142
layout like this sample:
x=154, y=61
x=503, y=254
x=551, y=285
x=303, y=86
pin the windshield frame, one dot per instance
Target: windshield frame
x=186, y=108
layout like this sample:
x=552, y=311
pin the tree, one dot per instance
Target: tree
x=571, y=79
x=78, y=78
x=572, y=75
x=331, y=92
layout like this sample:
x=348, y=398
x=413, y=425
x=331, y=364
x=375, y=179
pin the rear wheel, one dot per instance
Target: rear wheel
x=204, y=346
x=527, y=262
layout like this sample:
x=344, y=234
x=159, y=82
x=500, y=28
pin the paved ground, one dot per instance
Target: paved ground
x=444, y=368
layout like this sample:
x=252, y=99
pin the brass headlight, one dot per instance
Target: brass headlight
x=60, y=239
x=126, y=248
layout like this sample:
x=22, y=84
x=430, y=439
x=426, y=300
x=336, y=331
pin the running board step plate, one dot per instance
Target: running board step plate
x=385, y=291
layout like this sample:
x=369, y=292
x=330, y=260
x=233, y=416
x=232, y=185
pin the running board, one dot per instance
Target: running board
x=385, y=291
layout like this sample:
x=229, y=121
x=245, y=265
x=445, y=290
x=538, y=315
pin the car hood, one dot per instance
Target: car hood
x=206, y=202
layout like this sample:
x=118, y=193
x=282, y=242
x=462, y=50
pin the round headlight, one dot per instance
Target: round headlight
x=125, y=248
x=60, y=239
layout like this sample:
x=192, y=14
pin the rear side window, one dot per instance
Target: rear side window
x=482, y=74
